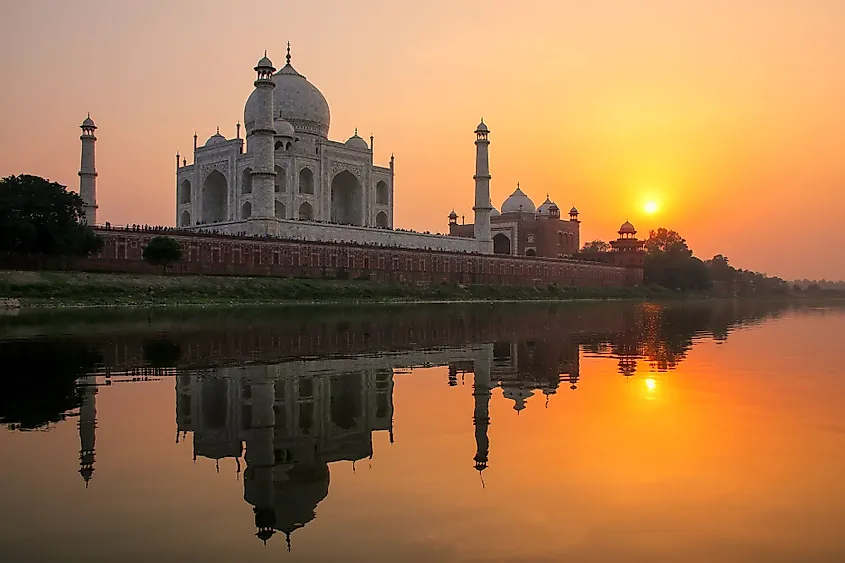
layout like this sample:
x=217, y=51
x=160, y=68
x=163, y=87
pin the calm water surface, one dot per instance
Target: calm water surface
x=588, y=432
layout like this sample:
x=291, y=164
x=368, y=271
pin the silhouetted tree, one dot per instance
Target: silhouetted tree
x=596, y=246
x=162, y=251
x=41, y=217
x=669, y=263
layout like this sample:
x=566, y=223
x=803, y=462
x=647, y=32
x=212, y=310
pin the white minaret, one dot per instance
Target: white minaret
x=482, y=207
x=260, y=143
x=260, y=457
x=88, y=172
x=87, y=427
x=482, y=365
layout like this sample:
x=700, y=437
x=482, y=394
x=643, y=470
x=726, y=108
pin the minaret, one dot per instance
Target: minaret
x=260, y=458
x=481, y=415
x=88, y=172
x=87, y=427
x=482, y=206
x=261, y=140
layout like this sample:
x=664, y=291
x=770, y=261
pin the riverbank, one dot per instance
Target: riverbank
x=74, y=289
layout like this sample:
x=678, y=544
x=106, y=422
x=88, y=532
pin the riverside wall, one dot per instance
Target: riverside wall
x=227, y=255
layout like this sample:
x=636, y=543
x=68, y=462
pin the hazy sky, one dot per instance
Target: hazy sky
x=728, y=113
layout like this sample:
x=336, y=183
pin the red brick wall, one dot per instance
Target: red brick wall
x=228, y=255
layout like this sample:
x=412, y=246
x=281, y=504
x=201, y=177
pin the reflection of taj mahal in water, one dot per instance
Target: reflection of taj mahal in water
x=290, y=421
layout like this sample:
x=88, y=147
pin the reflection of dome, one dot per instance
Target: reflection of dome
x=518, y=395
x=518, y=202
x=215, y=139
x=283, y=128
x=546, y=207
x=297, y=101
x=627, y=228
x=356, y=142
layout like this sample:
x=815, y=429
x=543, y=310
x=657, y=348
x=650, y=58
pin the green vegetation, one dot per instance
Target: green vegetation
x=162, y=251
x=68, y=289
x=41, y=217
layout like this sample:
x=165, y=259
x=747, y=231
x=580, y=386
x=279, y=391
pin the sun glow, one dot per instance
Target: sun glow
x=651, y=207
x=650, y=384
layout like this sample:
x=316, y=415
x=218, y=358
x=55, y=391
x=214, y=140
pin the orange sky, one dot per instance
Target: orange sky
x=728, y=113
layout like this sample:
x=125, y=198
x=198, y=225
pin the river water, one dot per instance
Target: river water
x=699, y=431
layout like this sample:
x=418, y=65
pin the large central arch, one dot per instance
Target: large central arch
x=214, y=195
x=501, y=244
x=347, y=199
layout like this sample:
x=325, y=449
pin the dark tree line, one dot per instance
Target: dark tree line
x=42, y=217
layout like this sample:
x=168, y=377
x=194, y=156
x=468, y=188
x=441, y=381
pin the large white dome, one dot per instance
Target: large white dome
x=295, y=100
x=518, y=202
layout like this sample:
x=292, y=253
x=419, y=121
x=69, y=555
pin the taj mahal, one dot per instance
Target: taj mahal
x=285, y=180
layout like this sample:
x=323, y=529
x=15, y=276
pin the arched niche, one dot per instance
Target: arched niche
x=185, y=219
x=501, y=244
x=246, y=210
x=306, y=181
x=347, y=198
x=185, y=192
x=279, y=209
x=306, y=212
x=281, y=182
x=382, y=193
x=246, y=181
x=381, y=220
x=214, y=197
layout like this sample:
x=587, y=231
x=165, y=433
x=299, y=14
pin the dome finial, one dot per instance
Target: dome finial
x=356, y=131
x=288, y=55
x=265, y=52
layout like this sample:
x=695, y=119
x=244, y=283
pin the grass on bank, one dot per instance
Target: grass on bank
x=74, y=288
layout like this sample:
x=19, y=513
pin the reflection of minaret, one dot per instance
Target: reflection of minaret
x=260, y=458
x=87, y=427
x=481, y=415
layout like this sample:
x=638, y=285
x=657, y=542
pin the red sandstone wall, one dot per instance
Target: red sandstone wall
x=227, y=255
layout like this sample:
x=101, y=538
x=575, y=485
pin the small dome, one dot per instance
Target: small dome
x=88, y=123
x=453, y=215
x=283, y=128
x=356, y=142
x=493, y=211
x=518, y=202
x=215, y=139
x=265, y=63
x=573, y=211
x=482, y=128
x=547, y=206
x=627, y=228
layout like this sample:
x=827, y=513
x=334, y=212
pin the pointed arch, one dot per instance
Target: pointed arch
x=381, y=220
x=347, y=199
x=185, y=191
x=246, y=181
x=281, y=182
x=501, y=244
x=306, y=181
x=306, y=212
x=382, y=193
x=279, y=210
x=246, y=210
x=185, y=219
x=215, y=191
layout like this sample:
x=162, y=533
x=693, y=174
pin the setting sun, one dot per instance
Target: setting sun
x=651, y=207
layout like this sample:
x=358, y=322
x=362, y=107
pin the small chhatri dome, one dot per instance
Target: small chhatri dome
x=518, y=202
x=215, y=139
x=265, y=63
x=547, y=206
x=627, y=229
x=493, y=211
x=356, y=142
x=88, y=123
x=482, y=127
x=283, y=128
x=453, y=215
x=573, y=211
